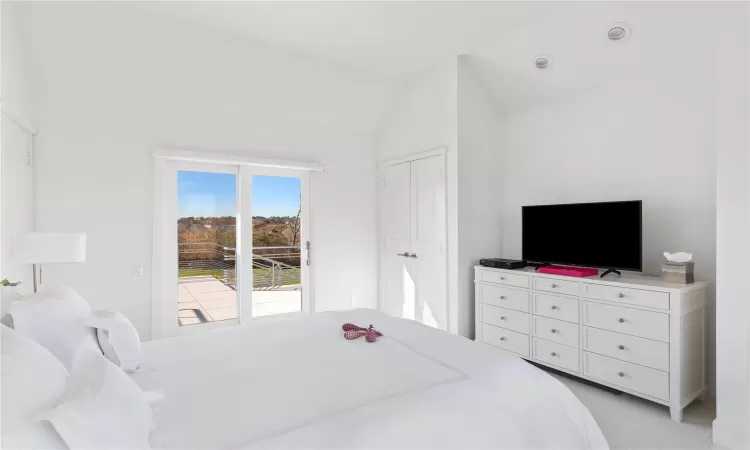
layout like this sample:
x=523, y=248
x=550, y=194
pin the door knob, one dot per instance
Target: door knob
x=405, y=255
x=413, y=256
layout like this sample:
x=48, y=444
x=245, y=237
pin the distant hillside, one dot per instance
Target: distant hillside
x=267, y=231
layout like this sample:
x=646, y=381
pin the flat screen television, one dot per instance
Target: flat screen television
x=600, y=235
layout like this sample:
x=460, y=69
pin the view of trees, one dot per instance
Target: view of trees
x=267, y=232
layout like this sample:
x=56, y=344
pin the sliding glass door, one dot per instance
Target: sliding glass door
x=237, y=245
x=275, y=242
x=207, y=211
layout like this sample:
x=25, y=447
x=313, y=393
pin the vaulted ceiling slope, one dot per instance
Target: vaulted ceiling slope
x=111, y=58
x=393, y=39
x=669, y=44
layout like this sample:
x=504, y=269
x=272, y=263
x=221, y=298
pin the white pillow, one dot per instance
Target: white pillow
x=101, y=408
x=118, y=339
x=55, y=320
x=32, y=379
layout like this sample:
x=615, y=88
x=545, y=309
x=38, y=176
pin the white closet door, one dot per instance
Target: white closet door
x=397, y=286
x=428, y=241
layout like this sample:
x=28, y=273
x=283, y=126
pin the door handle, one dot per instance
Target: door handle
x=413, y=256
x=405, y=255
x=307, y=253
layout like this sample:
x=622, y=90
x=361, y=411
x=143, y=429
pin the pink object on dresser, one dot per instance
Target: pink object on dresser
x=579, y=272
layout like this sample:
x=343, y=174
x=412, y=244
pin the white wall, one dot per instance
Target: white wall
x=630, y=120
x=16, y=174
x=733, y=231
x=478, y=142
x=423, y=117
x=112, y=84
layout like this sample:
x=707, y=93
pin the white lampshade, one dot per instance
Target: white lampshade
x=41, y=248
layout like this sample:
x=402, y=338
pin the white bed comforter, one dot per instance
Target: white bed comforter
x=297, y=383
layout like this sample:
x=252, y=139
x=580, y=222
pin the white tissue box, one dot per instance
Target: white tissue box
x=678, y=272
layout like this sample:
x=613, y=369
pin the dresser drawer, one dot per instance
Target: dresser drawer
x=629, y=376
x=556, y=354
x=635, y=322
x=565, y=333
x=627, y=348
x=505, y=318
x=505, y=297
x=556, y=285
x=562, y=308
x=636, y=297
x=506, y=339
x=511, y=279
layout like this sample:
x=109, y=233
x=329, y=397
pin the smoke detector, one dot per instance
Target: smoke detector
x=619, y=31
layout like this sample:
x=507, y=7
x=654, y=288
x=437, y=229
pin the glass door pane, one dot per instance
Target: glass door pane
x=206, y=243
x=277, y=257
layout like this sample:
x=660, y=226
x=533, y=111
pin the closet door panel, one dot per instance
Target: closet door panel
x=428, y=240
x=398, y=292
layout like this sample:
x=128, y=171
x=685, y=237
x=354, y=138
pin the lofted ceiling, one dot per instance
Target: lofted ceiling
x=583, y=59
x=393, y=39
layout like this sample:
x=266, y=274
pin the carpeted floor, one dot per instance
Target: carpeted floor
x=630, y=422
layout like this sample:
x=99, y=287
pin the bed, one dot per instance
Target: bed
x=295, y=382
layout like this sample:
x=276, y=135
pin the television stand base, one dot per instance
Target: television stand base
x=608, y=271
x=536, y=265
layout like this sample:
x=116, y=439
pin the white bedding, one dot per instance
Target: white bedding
x=297, y=383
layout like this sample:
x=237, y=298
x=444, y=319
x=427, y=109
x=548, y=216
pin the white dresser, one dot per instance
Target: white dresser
x=636, y=334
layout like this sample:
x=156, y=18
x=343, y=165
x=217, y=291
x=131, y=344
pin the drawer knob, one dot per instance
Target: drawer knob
x=502, y=278
x=621, y=295
x=502, y=338
x=554, y=307
x=553, y=354
x=502, y=317
x=621, y=320
x=553, y=331
x=502, y=297
x=554, y=285
x=621, y=374
x=621, y=347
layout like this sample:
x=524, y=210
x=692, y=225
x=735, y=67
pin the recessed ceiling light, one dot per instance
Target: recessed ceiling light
x=542, y=62
x=618, y=32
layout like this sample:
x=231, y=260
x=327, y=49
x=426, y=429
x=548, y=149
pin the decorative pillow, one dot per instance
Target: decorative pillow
x=55, y=320
x=101, y=408
x=118, y=339
x=32, y=379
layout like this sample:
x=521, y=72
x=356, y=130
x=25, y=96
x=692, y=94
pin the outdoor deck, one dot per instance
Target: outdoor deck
x=204, y=299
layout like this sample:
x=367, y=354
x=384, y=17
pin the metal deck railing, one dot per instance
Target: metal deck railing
x=273, y=267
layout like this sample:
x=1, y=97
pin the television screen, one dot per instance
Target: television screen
x=602, y=235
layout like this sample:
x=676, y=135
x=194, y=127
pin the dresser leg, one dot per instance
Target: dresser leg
x=676, y=413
